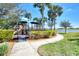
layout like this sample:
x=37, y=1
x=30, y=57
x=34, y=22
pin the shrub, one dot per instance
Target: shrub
x=5, y=35
x=3, y=49
x=42, y=34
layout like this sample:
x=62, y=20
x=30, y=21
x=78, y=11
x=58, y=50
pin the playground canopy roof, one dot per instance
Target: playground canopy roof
x=34, y=23
x=25, y=20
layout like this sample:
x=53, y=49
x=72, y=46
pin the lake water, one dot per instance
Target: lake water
x=62, y=30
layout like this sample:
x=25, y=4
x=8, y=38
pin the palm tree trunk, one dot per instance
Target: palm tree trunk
x=54, y=24
x=42, y=23
x=42, y=13
x=51, y=28
x=65, y=30
x=38, y=27
x=42, y=26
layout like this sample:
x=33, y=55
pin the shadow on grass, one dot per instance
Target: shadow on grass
x=74, y=39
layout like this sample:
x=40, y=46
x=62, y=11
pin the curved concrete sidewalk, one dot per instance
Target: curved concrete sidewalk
x=29, y=47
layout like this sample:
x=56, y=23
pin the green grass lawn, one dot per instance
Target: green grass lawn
x=67, y=47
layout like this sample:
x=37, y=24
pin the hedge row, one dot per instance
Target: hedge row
x=6, y=34
x=42, y=34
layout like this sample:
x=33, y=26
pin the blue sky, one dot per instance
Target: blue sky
x=70, y=12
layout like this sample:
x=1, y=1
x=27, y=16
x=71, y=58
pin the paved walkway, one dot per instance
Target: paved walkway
x=29, y=47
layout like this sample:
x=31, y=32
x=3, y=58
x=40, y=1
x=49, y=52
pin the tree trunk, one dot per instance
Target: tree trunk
x=54, y=24
x=51, y=27
x=42, y=23
x=42, y=18
x=65, y=30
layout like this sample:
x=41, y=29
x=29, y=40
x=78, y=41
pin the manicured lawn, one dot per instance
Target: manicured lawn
x=67, y=47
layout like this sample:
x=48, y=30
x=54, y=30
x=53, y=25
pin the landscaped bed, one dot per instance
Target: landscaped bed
x=6, y=42
x=69, y=46
x=7, y=36
x=42, y=34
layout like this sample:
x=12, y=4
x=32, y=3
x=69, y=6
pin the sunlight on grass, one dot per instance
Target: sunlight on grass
x=67, y=47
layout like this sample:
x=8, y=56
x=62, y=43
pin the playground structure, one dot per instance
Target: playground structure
x=23, y=31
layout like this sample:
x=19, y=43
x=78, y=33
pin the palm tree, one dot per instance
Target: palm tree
x=51, y=19
x=28, y=16
x=38, y=20
x=65, y=24
x=44, y=21
x=50, y=25
x=41, y=7
x=53, y=12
